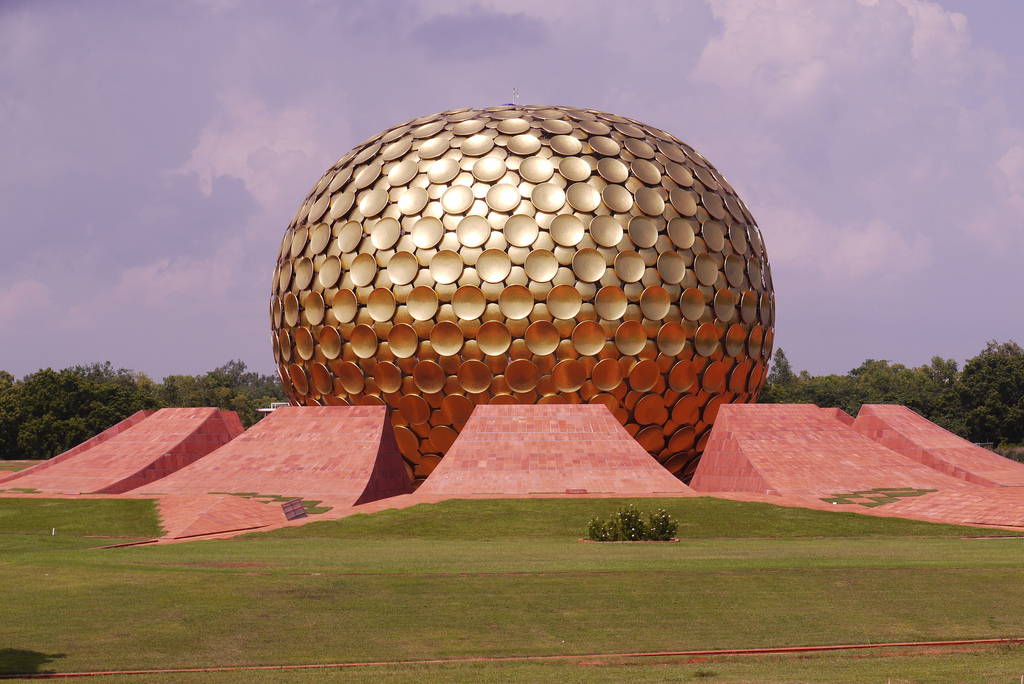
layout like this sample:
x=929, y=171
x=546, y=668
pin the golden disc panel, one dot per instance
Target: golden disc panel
x=515, y=302
x=474, y=376
x=588, y=265
x=344, y=306
x=606, y=231
x=428, y=376
x=541, y=265
x=330, y=271
x=536, y=170
x=489, y=169
x=607, y=375
x=349, y=375
x=564, y=301
x=548, y=197
x=414, y=409
x=671, y=339
x=387, y=376
x=363, y=269
x=520, y=230
x=446, y=266
x=705, y=340
x=542, y=338
x=313, y=308
x=566, y=230
x=610, y=303
x=524, y=254
x=329, y=342
x=364, y=341
x=655, y=303
x=403, y=341
x=588, y=338
x=403, y=268
x=381, y=304
x=521, y=375
x=503, y=197
x=630, y=338
x=493, y=338
x=568, y=375
x=644, y=375
x=473, y=231
x=422, y=303
x=469, y=302
x=303, y=343
x=629, y=266
x=493, y=265
x=446, y=338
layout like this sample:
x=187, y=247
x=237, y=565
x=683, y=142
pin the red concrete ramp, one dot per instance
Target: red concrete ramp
x=839, y=414
x=517, y=450
x=800, y=449
x=921, y=440
x=111, y=431
x=153, y=447
x=342, y=455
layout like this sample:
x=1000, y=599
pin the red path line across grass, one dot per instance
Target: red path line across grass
x=521, y=658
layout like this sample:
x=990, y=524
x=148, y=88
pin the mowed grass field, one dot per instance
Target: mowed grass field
x=492, y=579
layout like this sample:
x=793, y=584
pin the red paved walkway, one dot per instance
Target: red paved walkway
x=342, y=455
x=142, y=452
x=518, y=450
x=111, y=431
x=921, y=440
x=800, y=449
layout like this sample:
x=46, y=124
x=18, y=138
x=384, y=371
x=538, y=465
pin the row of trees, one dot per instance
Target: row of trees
x=49, y=411
x=982, y=402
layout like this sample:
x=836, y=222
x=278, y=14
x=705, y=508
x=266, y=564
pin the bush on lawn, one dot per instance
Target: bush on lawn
x=628, y=524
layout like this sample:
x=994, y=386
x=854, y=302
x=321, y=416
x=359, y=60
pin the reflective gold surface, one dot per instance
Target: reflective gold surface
x=524, y=254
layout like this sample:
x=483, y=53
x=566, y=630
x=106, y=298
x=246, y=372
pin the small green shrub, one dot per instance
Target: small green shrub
x=628, y=524
x=662, y=527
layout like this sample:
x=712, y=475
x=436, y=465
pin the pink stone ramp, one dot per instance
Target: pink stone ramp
x=342, y=455
x=839, y=414
x=151, y=448
x=799, y=449
x=517, y=450
x=111, y=431
x=910, y=434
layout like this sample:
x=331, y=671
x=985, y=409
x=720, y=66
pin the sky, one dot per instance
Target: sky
x=153, y=153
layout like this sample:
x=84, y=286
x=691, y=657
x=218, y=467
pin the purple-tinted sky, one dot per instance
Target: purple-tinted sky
x=152, y=153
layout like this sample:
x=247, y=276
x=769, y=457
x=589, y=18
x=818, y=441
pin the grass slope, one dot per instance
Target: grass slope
x=134, y=518
x=493, y=578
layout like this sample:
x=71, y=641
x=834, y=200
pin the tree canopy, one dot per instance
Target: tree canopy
x=50, y=411
x=983, y=402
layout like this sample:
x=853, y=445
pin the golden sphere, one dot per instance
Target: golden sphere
x=525, y=254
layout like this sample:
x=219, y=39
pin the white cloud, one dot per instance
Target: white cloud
x=21, y=298
x=842, y=252
x=271, y=151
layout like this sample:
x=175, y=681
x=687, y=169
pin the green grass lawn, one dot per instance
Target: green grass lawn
x=15, y=466
x=497, y=578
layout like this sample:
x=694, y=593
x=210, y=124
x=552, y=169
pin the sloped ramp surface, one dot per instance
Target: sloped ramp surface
x=839, y=414
x=342, y=455
x=187, y=515
x=147, y=450
x=914, y=436
x=112, y=431
x=552, y=448
x=801, y=449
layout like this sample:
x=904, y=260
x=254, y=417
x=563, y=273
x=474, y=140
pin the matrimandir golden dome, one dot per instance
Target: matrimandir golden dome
x=525, y=254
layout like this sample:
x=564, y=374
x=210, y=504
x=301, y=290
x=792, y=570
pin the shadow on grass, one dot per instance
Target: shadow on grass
x=17, y=661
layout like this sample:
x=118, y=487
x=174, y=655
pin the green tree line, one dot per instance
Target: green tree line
x=50, y=411
x=982, y=402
